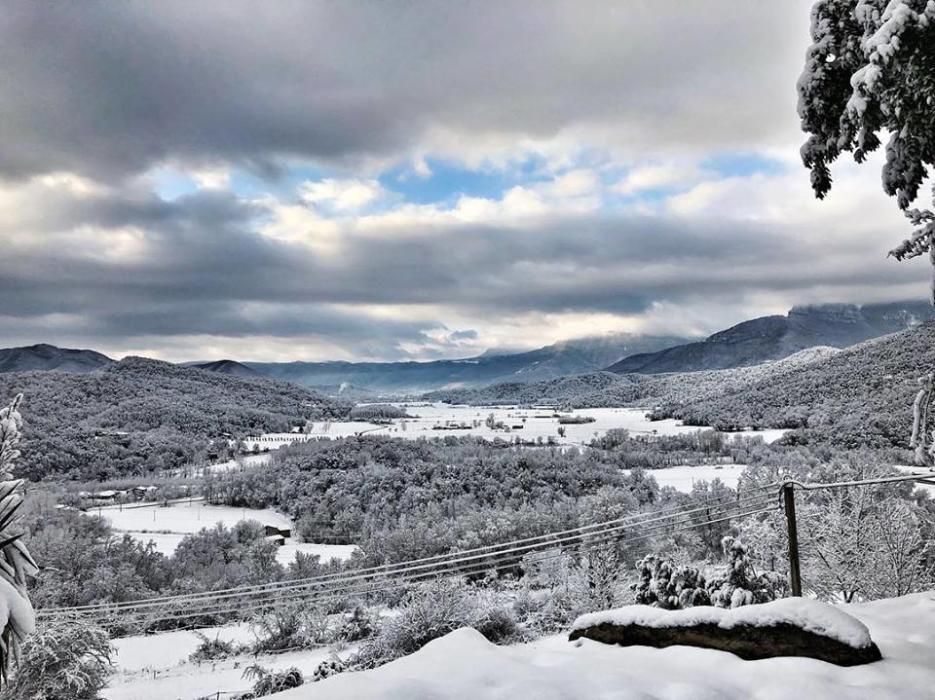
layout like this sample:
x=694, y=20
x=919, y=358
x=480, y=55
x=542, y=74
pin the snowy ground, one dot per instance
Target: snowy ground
x=683, y=478
x=536, y=423
x=166, y=526
x=156, y=667
x=464, y=665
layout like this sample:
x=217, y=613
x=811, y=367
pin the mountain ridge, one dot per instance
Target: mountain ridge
x=42, y=357
x=774, y=337
x=559, y=359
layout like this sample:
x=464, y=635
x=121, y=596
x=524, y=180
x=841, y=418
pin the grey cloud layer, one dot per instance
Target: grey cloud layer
x=112, y=88
x=201, y=267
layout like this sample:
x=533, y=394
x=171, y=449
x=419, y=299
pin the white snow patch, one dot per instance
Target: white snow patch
x=804, y=613
x=683, y=478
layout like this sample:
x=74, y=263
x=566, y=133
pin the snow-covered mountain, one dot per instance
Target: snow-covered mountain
x=231, y=367
x=775, y=337
x=47, y=357
x=564, y=358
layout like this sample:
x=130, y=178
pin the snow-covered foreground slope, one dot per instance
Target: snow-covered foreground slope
x=464, y=665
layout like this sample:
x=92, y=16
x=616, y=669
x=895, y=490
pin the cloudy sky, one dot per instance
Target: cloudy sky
x=409, y=179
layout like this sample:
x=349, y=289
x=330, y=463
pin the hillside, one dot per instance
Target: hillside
x=139, y=415
x=608, y=389
x=775, y=337
x=561, y=359
x=859, y=396
x=49, y=357
x=231, y=367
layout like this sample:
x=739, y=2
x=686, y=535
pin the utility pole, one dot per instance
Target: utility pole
x=795, y=574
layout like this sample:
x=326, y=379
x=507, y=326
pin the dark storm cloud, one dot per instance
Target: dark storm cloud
x=112, y=88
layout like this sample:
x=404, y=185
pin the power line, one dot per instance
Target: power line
x=527, y=543
x=507, y=558
x=380, y=586
x=882, y=480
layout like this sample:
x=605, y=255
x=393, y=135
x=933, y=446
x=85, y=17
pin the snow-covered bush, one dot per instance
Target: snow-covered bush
x=69, y=660
x=17, y=618
x=331, y=666
x=742, y=585
x=665, y=585
x=212, y=649
x=431, y=611
x=356, y=625
x=266, y=682
x=560, y=588
x=291, y=626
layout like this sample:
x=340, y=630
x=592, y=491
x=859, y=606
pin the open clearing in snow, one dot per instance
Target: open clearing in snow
x=165, y=526
x=531, y=424
x=683, y=478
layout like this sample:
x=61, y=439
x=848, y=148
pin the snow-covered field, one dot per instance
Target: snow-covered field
x=525, y=423
x=156, y=667
x=683, y=478
x=464, y=665
x=166, y=526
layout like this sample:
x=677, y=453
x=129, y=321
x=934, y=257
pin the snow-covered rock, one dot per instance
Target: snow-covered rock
x=789, y=627
x=807, y=614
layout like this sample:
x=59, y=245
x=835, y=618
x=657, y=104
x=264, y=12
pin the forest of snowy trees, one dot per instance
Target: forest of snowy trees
x=140, y=416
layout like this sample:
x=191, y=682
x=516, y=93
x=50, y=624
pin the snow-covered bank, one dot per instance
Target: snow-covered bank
x=463, y=664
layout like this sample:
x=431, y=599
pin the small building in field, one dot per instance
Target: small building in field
x=273, y=531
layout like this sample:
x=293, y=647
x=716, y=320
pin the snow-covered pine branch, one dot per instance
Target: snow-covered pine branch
x=871, y=69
